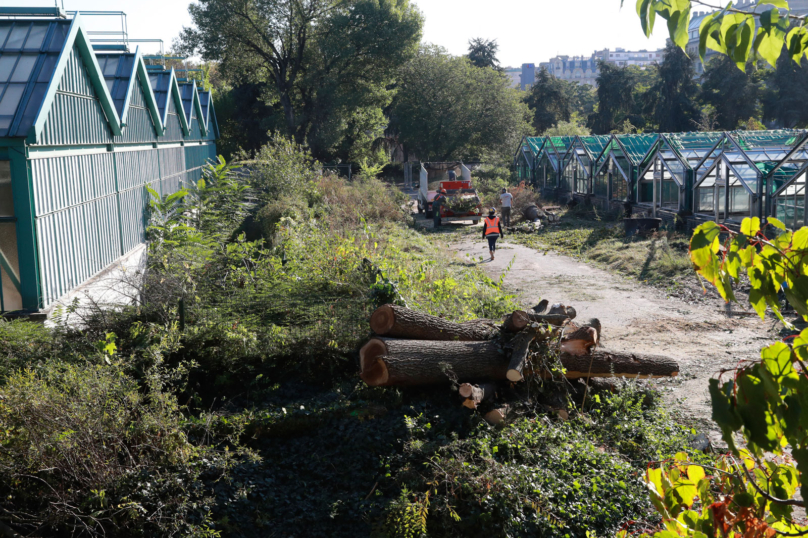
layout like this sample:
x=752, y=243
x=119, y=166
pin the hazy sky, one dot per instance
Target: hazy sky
x=526, y=30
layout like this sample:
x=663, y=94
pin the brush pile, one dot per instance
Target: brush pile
x=416, y=349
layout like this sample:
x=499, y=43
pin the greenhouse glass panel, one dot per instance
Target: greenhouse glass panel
x=17, y=37
x=36, y=36
x=7, y=63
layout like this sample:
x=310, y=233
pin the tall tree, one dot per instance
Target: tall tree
x=550, y=99
x=329, y=63
x=787, y=100
x=616, y=98
x=448, y=109
x=733, y=93
x=483, y=53
x=671, y=101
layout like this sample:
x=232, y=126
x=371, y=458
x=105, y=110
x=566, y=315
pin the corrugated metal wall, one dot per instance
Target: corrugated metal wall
x=139, y=125
x=91, y=207
x=173, y=132
x=76, y=116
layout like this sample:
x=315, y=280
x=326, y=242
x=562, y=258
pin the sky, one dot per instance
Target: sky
x=528, y=31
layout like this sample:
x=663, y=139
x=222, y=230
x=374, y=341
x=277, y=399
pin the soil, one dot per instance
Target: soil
x=696, y=331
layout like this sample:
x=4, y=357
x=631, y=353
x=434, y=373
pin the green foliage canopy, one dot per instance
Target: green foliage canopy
x=483, y=53
x=326, y=64
x=448, y=109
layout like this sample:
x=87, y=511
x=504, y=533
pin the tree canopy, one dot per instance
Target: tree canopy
x=671, y=101
x=446, y=109
x=326, y=65
x=483, y=52
x=731, y=91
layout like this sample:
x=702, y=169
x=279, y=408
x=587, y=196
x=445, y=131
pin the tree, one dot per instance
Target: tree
x=616, y=98
x=550, y=100
x=787, y=99
x=573, y=127
x=448, y=109
x=671, y=101
x=584, y=99
x=731, y=91
x=328, y=63
x=483, y=53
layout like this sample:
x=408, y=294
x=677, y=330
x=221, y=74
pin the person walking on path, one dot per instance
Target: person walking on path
x=439, y=200
x=506, y=200
x=492, y=230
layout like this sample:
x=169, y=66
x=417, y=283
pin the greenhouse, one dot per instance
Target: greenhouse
x=84, y=130
x=723, y=176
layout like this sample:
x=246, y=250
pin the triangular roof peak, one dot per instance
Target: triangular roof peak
x=78, y=38
x=165, y=87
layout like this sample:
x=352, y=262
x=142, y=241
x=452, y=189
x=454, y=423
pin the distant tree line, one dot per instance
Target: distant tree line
x=670, y=98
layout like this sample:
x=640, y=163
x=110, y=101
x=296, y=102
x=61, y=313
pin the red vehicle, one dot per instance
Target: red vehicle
x=463, y=204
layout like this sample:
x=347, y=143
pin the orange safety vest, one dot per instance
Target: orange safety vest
x=491, y=225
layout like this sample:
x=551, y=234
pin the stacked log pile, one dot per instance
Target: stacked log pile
x=416, y=349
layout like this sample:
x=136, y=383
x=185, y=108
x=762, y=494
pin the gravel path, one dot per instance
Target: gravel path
x=636, y=317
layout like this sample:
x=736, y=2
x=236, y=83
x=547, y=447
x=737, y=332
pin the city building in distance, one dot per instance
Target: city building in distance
x=584, y=70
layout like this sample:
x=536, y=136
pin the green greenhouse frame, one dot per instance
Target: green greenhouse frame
x=83, y=133
x=723, y=176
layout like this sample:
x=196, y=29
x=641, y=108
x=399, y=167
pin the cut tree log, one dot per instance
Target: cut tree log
x=561, y=309
x=541, y=307
x=516, y=321
x=574, y=326
x=474, y=395
x=521, y=346
x=399, y=322
x=389, y=362
x=605, y=362
x=553, y=319
x=497, y=416
x=580, y=341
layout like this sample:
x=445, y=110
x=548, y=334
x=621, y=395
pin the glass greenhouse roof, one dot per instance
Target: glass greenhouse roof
x=204, y=102
x=160, y=85
x=187, y=93
x=117, y=69
x=29, y=51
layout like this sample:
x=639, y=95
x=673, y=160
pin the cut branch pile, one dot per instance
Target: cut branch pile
x=416, y=349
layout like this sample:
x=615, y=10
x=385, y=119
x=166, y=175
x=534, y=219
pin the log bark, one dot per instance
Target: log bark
x=387, y=362
x=604, y=362
x=553, y=319
x=497, y=416
x=516, y=321
x=399, y=322
x=474, y=395
x=391, y=362
x=521, y=345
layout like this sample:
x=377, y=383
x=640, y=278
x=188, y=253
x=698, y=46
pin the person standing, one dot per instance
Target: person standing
x=506, y=201
x=439, y=200
x=492, y=230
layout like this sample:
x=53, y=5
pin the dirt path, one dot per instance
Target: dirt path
x=635, y=317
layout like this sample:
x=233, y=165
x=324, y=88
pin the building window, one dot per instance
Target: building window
x=10, y=297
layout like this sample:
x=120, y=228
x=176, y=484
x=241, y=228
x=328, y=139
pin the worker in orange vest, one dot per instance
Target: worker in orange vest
x=492, y=230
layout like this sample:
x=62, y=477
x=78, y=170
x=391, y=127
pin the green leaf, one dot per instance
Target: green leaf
x=777, y=223
x=750, y=226
x=770, y=38
x=647, y=15
x=710, y=34
x=704, y=244
x=744, y=500
x=799, y=241
x=797, y=42
x=776, y=3
x=724, y=412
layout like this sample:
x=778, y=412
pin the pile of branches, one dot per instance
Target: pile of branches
x=416, y=349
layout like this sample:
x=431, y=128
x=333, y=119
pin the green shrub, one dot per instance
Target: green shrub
x=84, y=449
x=23, y=344
x=290, y=209
x=280, y=168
